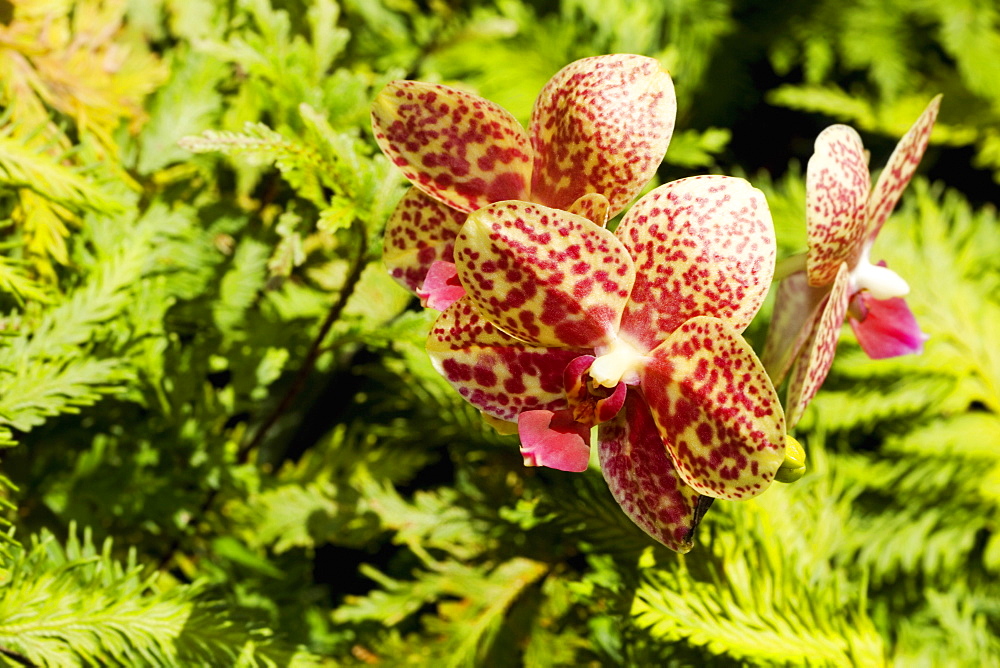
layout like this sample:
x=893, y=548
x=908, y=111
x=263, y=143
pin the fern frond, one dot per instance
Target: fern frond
x=47, y=372
x=877, y=402
x=953, y=628
x=968, y=32
x=29, y=398
x=299, y=165
x=77, y=605
x=825, y=99
x=761, y=587
x=44, y=228
x=581, y=506
x=742, y=612
x=240, y=286
x=22, y=165
x=15, y=280
x=972, y=435
x=871, y=40
x=293, y=515
x=472, y=605
x=690, y=148
x=433, y=520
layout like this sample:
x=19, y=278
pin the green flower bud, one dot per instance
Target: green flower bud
x=794, y=465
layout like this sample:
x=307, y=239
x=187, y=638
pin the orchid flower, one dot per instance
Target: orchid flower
x=838, y=278
x=566, y=325
x=598, y=132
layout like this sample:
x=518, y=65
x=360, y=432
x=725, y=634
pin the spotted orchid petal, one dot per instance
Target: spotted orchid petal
x=899, y=170
x=816, y=356
x=885, y=327
x=837, y=187
x=545, y=276
x=441, y=287
x=460, y=149
x=797, y=308
x=420, y=232
x=554, y=440
x=601, y=124
x=493, y=371
x=643, y=480
x=594, y=207
x=702, y=246
x=716, y=410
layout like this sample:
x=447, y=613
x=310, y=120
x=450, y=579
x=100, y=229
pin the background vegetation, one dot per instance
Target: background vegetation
x=225, y=445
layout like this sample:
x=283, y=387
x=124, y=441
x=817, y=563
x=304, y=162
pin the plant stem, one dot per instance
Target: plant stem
x=298, y=383
x=315, y=349
x=788, y=266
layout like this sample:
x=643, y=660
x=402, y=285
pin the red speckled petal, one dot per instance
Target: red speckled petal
x=593, y=207
x=837, y=186
x=601, y=125
x=643, y=480
x=494, y=372
x=544, y=275
x=899, y=170
x=457, y=147
x=554, y=440
x=702, y=246
x=797, y=307
x=816, y=357
x=716, y=410
x=420, y=232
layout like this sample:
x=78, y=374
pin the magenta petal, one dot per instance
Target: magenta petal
x=441, y=288
x=888, y=328
x=553, y=439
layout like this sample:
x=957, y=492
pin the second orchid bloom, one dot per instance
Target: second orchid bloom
x=843, y=217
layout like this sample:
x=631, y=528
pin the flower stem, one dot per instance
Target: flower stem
x=332, y=316
x=788, y=266
x=308, y=363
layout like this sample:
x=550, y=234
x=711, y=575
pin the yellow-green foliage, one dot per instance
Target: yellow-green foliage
x=204, y=366
x=72, y=74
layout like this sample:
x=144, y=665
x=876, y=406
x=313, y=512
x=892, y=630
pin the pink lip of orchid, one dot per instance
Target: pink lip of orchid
x=565, y=325
x=843, y=219
x=598, y=132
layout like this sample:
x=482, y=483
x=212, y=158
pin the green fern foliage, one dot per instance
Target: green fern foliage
x=78, y=605
x=224, y=442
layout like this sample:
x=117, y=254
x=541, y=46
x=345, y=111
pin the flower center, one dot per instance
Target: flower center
x=617, y=362
x=590, y=404
x=881, y=282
